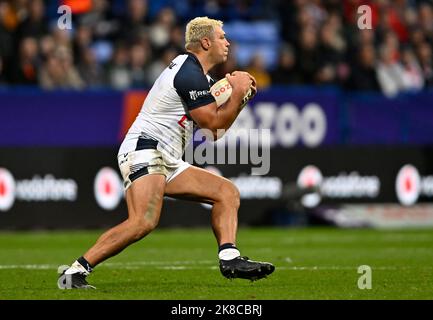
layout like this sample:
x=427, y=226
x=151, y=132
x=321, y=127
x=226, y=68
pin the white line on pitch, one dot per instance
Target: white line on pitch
x=187, y=265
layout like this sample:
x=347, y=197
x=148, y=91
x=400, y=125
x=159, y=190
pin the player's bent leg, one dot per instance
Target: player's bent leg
x=144, y=200
x=197, y=184
x=200, y=185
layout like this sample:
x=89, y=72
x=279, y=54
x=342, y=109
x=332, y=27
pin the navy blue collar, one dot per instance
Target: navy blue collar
x=194, y=57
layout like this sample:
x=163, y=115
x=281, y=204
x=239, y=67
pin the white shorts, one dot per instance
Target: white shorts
x=147, y=159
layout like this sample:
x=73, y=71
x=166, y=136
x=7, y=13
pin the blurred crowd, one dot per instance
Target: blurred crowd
x=126, y=43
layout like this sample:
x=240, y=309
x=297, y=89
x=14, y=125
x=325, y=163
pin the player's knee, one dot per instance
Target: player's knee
x=143, y=226
x=230, y=194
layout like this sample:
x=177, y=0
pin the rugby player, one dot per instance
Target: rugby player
x=150, y=157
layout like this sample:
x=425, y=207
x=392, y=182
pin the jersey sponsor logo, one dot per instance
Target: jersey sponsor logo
x=194, y=94
x=108, y=188
x=343, y=186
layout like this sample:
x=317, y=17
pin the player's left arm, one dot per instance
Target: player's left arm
x=219, y=119
x=193, y=88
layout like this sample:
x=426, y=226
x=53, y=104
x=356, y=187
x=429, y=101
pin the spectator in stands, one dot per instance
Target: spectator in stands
x=389, y=72
x=425, y=57
x=82, y=40
x=326, y=74
x=363, y=72
x=139, y=60
x=288, y=13
x=47, y=46
x=59, y=72
x=356, y=40
x=34, y=25
x=135, y=21
x=332, y=46
x=62, y=38
x=219, y=9
x=246, y=10
x=118, y=73
x=425, y=13
x=417, y=37
x=366, y=37
x=8, y=16
x=7, y=24
x=51, y=74
x=285, y=71
x=160, y=30
x=412, y=75
x=324, y=35
x=20, y=9
x=308, y=55
x=332, y=50
x=408, y=12
x=315, y=11
x=2, y=76
x=156, y=67
x=99, y=20
x=390, y=40
x=177, y=38
x=257, y=69
x=392, y=18
x=304, y=17
x=25, y=68
x=90, y=70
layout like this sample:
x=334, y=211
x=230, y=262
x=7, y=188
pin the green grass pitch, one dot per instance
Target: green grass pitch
x=181, y=264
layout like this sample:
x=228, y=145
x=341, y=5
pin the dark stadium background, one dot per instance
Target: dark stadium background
x=350, y=110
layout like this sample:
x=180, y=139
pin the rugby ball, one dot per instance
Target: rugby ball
x=222, y=90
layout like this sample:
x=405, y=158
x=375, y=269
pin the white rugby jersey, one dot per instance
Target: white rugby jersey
x=164, y=116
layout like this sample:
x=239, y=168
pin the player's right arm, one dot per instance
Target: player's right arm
x=218, y=119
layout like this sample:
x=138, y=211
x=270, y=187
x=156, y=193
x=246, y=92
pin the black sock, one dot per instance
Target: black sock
x=85, y=264
x=226, y=246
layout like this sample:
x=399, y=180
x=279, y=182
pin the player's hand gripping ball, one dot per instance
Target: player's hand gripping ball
x=222, y=90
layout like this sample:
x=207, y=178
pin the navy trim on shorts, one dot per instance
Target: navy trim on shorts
x=143, y=144
x=138, y=174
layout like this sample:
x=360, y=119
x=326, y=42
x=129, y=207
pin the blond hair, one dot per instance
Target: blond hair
x=199, y=28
